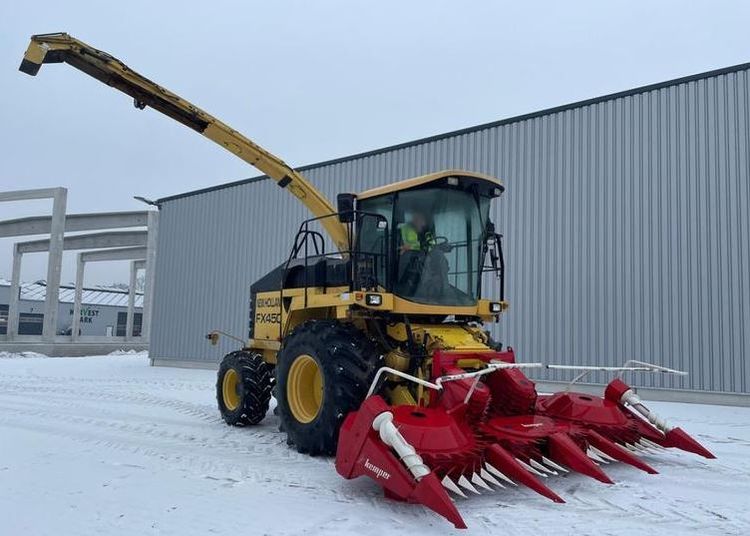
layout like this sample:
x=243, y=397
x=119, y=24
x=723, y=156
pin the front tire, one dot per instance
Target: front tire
x=243, y=388
x=323, y=372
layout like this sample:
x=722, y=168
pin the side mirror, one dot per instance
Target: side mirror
x=345, y=207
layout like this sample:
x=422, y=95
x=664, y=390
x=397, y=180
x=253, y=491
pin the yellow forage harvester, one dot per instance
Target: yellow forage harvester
x=375, y=348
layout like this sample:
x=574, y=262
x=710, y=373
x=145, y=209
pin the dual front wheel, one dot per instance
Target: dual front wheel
x=323, y=371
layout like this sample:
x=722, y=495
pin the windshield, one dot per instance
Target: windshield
x=437, y=243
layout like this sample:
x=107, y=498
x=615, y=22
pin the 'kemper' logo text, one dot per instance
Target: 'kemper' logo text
x=379, y=473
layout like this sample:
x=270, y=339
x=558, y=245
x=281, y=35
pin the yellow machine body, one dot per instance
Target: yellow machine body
x=277, y=308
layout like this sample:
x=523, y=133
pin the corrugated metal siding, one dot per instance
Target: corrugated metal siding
x=626, y=228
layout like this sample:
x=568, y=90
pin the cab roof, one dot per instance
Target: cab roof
x=431, y=177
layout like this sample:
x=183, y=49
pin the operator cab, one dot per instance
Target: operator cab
x=435, y=231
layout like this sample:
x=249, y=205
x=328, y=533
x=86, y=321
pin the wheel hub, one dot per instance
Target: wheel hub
x=230, y=390
x=304, y=389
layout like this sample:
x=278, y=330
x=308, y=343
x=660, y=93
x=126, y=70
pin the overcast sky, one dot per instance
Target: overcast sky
x=313, y=80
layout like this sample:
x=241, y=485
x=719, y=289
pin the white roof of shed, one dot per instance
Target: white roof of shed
x=37, y=291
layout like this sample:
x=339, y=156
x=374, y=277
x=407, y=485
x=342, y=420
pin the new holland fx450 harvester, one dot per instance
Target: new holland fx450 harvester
x=377, y=352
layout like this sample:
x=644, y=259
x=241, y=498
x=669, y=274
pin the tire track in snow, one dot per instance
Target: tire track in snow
x=148, y=418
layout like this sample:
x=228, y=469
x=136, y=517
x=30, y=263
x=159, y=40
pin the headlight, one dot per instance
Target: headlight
x=496, y=307
x=374, y=299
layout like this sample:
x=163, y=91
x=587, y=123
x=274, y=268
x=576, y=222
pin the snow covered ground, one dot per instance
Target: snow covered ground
x=109, y=445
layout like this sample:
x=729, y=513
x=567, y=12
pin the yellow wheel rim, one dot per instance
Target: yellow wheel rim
x=304, y=389
x=230, y=389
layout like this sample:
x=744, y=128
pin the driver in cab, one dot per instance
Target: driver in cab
x=415, y=236
x=423, y=268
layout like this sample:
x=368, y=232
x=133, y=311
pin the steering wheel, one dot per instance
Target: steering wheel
x=442, y=243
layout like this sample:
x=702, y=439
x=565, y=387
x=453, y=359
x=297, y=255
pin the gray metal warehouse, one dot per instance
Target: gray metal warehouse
x=626, y=221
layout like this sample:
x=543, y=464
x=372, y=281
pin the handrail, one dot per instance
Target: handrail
x=492, y=366
x=438, y=383
x=301, y=241
x=404, y=375
x=630, y=366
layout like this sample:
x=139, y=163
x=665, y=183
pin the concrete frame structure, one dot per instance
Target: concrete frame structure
x=137, y=246
x=36, y=225
x=56, y=226
x=150, y=267
x=60, y=223
x=135, y=266
x=134, y=240
x=109, y=239
x=132, y=254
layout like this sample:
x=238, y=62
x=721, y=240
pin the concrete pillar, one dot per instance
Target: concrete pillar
x=54, y=263
x=148, y=291
x=80, y=268
x=131, y=301
x=15, y=289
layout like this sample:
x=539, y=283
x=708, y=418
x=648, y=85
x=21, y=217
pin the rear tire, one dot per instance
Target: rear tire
x=323, y=372
x=243, y=388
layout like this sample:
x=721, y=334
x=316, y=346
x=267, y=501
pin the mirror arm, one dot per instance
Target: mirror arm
x=501, y=261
